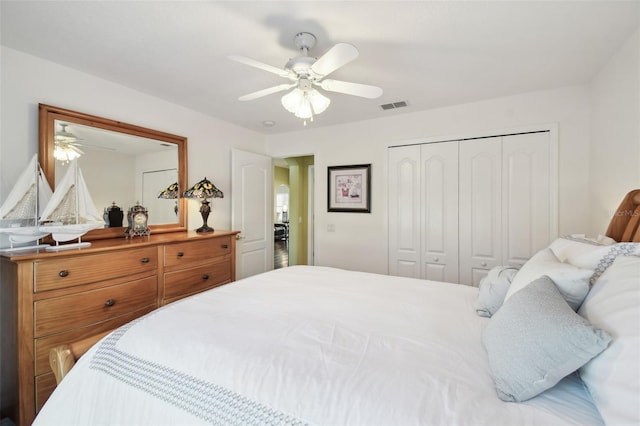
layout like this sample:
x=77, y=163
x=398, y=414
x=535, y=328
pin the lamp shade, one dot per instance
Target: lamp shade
x=170, y=192
x=203, y=189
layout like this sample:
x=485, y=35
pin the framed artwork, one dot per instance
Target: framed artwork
x=349, y=188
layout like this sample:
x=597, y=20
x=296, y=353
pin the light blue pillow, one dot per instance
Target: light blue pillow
x=493, y=289
x=536, y=339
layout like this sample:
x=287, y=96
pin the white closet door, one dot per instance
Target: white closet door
x=404, y=211
x=526, y=196
x=480, y=209
x=439, y=203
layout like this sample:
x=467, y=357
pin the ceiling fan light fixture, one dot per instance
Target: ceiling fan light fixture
x=65, y=152
x=305, y=103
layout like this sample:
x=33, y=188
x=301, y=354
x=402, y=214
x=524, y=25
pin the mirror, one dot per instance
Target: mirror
x=121, y=163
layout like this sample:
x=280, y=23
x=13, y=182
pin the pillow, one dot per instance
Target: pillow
x=493, y=288
x=613, y=377
x=573, y=282
x=591, y=254
x=536, y=339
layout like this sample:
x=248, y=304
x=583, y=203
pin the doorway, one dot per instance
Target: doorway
x=281, y=226
x=293, y=216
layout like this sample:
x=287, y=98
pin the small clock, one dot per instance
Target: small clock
x=138, y=218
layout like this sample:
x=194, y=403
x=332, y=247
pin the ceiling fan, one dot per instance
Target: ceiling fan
x=306, y=73
x=66, y=145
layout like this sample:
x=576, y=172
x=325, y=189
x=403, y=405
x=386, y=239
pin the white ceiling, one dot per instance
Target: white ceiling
x=428, y=53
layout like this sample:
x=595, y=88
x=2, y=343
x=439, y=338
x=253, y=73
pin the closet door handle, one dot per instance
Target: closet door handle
x=63, y=273
x=109, y=303
x=205, y=277
x=145, y=260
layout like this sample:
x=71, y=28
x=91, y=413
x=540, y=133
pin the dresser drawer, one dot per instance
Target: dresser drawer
x=45, y=385
x=194, y=252
x=194, y=280
x=44, y=344
x=91, y=307
x=69, y=271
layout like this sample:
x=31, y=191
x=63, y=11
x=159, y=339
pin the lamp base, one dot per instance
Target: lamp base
x=204, y=228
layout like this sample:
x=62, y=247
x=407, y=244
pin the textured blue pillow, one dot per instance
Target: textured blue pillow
x=535, y=339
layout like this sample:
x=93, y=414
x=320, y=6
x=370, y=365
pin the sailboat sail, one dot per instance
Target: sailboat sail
x=23, y=205
x=71, y=208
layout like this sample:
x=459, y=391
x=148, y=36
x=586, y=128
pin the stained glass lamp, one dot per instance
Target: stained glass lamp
x=171, y=193
x=204, y=190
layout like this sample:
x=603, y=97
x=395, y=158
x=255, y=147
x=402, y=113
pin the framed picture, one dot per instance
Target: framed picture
x=349, y=188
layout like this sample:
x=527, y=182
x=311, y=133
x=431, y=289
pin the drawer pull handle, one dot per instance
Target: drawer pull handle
x=109, y=303
x=483, y=263
x=205, y=277
x=225, y=246
x=63, y=273
x=145, y=260
x=180, y=254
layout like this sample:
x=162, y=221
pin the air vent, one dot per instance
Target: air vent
x=394, y=105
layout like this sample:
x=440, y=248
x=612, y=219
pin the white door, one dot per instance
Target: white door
x=480, y=208
x=439, y=211
x=251, y=211
x=526, y=196
x=404, y=211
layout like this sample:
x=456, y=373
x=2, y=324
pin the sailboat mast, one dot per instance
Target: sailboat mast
x=75, y=163
x=37, y=185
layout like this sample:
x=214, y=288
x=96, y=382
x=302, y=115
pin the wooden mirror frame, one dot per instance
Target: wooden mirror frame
x=47, y=115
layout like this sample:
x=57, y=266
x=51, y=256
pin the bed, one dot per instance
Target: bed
x=320, y=345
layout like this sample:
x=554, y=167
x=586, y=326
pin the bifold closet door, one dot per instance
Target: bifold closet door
x=404, y=211
x=423, y=211
x=439, y=211
x=526, y=196
x=480, y=208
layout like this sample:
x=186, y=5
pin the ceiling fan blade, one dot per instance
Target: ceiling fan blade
x=257, y=64
x=356, y=89
x=265, y=92
x=337, y=56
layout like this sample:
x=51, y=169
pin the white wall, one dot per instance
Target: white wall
x=615, y=132
x=26, y=80
x=360, y=240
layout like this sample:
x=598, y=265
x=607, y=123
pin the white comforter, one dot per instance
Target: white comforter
x=312, y=345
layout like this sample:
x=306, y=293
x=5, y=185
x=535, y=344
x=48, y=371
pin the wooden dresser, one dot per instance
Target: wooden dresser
x=48, y=299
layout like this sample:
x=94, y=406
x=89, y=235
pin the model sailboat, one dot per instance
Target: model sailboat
x=71, y=211
x=20, y=211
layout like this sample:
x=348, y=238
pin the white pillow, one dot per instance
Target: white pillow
x=572, y=282
x=613, y=377
x=590, y=254
x=580, y=252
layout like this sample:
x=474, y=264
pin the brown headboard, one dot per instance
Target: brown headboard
x=625, y=224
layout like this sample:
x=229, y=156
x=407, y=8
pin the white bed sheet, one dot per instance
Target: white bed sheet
x=316, y=345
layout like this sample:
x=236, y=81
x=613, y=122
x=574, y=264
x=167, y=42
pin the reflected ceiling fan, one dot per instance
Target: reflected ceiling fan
x=306, y=73
x=66, y=145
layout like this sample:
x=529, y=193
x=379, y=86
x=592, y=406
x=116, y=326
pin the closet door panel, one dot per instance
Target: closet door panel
x=525, y=196
x=440, y=211
x=404, y=211
x=480, y=210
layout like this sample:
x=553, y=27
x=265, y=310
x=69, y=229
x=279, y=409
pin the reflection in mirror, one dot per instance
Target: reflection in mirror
x=121, y=164
x=132, y=173
x=154, y=185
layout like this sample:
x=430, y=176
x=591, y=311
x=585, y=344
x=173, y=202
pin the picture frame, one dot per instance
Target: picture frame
x=349, y=188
